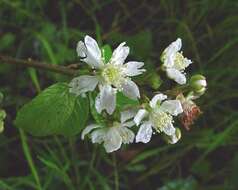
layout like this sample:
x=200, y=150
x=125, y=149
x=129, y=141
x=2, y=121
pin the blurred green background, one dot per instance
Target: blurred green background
x=206, y=158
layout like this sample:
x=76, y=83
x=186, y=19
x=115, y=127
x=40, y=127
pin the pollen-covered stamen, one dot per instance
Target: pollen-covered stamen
x=180, y=61
x=161, y=120
x=113, y=75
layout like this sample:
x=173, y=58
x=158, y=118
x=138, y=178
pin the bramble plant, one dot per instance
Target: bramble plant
x=121, y=113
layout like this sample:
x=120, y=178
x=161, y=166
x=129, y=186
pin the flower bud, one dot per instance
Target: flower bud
x=1, y=126
x=198, y=84
x=2, y=114
x=2, y=117
x=175, y=137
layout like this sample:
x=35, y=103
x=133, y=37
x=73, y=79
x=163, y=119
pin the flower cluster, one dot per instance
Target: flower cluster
x=113, y=76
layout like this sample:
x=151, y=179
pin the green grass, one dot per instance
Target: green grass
x=48, y=31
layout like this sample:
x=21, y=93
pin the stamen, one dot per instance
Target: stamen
x=179, y=61
x=161, y=120
x=113, y=75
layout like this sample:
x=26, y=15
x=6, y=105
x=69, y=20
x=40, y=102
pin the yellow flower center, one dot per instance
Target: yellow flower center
x=160, y=120
x=179, y=61
x=113, y=75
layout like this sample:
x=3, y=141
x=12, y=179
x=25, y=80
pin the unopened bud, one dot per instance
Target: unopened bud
x=2, y=117
x=1, y=126
x=175, y=137
x=2, y=114
x=198, y=84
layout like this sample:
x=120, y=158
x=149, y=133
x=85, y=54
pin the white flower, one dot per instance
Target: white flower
x=113, y=136
x=160, y=117
x=174, y=63
x=110, y=77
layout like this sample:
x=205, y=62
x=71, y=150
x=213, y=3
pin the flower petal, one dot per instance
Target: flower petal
x=128, y=124
x=173, y=107
x=88, y=129
x=127, y=135
x=98, y=135
x=120, y=54
x=128, y=114
x=187, y=62
x=130, y=89
x=90, y=52
x=81, y=49
x=176, y=75
x=168, y=55
x=132, y=68
x=173, y=139
x=169, y=129
x=158, y=97
x=174, y=46
x=141, y=114
x=145, y=132
x=106, y=99
x=83, y=84
x=112, y=140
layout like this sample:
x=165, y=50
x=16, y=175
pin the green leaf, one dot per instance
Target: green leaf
x=54, y=111
x=107, y=53
x=123, y=101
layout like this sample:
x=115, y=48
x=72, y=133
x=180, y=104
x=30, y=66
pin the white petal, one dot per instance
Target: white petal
x=112, y=140
x=202, y=83
x=170, y=51
x=174, y=46
x=127, y=135
x=130, y=89
x=145, y=132
x=98, y=135
x=83, y=84
x=88, y=129
x=128, y=114
x=187, y=62
x=173, y=107
x=169, y=129
x=176, y=75
x=158, y=97
x=81, y=49
x=128, y=124
x=120, y=54
x=106, y=99
x=173, y=139
x=132, y=68
x=93, y=53
x=141, y=114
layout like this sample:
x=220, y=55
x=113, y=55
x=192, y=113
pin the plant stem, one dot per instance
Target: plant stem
x=29, y=159
x=39, y=65
x=116, y=177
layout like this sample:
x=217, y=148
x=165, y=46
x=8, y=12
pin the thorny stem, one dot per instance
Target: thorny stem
x=39, y=65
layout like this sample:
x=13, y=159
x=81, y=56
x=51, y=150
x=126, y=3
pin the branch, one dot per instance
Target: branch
x=39, y=65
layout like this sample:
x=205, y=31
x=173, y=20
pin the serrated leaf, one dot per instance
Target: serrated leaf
x=54, y=112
